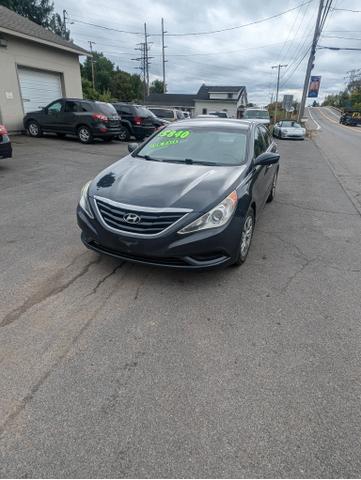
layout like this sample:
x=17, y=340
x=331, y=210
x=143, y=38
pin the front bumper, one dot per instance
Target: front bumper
x=6, y=150
x=295, y=136
x=201, y=250
x=104, y=131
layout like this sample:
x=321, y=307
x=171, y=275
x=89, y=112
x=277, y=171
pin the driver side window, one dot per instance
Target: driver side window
x=55, y=107
x=259, y=146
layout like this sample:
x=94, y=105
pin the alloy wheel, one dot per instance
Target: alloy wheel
x=84, y=134
x=246, y=237
x=33, y=129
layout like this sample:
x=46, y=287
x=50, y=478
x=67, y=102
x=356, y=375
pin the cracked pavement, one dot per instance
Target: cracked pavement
x=109, y=369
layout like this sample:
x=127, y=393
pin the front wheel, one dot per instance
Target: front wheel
x=84, y=134
x=246, y=238
x=34, y=129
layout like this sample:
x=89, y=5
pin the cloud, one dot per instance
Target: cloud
x=240, y=57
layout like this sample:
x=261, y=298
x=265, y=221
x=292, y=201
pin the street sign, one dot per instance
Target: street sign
x=314, y=86
x=287, y=102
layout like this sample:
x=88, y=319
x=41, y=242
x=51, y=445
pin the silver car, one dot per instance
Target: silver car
x=289, y=129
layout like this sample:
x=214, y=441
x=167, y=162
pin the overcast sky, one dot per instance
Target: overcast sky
x=242, y=56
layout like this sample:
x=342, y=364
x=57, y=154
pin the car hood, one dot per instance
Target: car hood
x=34, y=112
x=293, y=129
x=135, y=181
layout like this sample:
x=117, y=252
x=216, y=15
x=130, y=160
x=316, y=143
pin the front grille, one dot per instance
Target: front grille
x=150, y=223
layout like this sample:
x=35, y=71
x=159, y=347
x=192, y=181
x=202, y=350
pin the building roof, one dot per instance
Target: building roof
x=17, y=25
x=171, y=99
x=188, y=99
x=205, y=90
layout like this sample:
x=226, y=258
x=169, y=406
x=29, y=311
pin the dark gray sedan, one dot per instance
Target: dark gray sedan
x=188, y=197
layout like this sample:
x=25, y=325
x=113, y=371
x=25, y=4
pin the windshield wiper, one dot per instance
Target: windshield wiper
x=148, y=157
x=190, y=161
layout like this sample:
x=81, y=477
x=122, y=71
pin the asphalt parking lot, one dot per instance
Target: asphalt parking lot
x=119, y=370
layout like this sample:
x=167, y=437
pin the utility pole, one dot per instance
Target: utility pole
x=65, y=17
x=92, y=61
x=311, y=60
x=146, y=59
x=278, y=88
x=142, y=59
x=163, y=57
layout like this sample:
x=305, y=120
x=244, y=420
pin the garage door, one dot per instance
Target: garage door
x=38, y=88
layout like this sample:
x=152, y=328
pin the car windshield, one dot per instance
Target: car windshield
x=290, y=124
x=105, y=108
x=256, y=114
x=208, y=145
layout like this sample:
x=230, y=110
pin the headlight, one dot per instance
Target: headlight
x=84, y=202
x=216, y=217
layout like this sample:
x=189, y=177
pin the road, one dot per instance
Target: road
x=116, y=370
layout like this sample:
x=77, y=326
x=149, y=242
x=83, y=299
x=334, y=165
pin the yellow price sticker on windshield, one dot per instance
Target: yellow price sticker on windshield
x=175, y=133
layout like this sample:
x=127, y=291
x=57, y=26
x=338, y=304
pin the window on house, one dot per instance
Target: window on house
x=204, y=111
x=229, y=95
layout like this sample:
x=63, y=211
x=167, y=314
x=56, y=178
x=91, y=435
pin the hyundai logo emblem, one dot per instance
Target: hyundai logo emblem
x=131, y=218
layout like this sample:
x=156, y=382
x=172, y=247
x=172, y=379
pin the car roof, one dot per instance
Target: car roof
x=219, y=121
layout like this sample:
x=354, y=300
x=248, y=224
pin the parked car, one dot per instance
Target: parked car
x=289, y=129
x=219, y=114
x=351, y=117
x=188, y=197
x=5, y=144
x=136, y=120
x=259, y=114
x=158, y=122
x=171, y=114
x=87, y=119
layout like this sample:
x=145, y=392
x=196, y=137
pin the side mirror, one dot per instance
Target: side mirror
x=132, y=147
x=267, y=158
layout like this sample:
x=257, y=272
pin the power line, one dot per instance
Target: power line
x=209, y=32
x=346, y=10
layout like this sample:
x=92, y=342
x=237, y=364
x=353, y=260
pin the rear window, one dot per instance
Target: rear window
x=105, y=108
x=142, y=112
x=161, y=113
x=256, y=114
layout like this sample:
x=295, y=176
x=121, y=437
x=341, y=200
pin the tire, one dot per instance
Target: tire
x=124, y=135
x=272, y=193
x=34, y=129
x=245, y=238
x=84, y=134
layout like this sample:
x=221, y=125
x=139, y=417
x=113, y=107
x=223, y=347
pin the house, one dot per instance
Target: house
x=231, y=99
x=37, y=66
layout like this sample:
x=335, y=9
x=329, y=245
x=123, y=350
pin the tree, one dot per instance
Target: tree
x=122, y=87
x=103, y=69
x=40, y=12
x=156, y=86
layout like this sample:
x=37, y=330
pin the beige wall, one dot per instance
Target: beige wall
x=21, y=52
x=214, y=106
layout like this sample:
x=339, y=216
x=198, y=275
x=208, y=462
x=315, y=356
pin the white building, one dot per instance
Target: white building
x=230, y=99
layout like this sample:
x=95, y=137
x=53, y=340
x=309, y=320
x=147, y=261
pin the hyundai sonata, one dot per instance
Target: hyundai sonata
x=188, y=197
